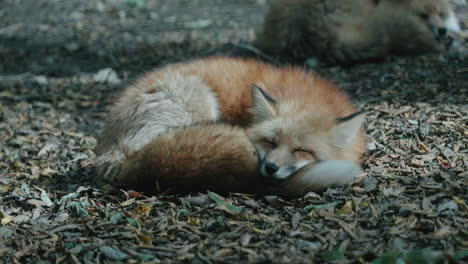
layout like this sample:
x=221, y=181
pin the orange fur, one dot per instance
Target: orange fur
x=199, y=148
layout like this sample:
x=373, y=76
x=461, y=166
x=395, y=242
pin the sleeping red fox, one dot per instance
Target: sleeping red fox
x=231, y=125
x=348, y=31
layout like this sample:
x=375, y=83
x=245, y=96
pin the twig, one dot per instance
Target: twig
x=345, y=227
x=63, y=228
x=74, y=259
x=203, y=258
x=10, y=29
x=18, y=77
x=314, y=233
x=374, y=212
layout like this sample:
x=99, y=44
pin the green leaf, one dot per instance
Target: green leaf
x=69, y=245
x=321, y=206
x=216, y=198
x=234, y=209
x=45, y=198
x=116, y=217
x=196, y=261
x=180, y=213
x=79, y=208
x=134, y=3
x=88, y=143
x=332, y=255
x=460, y=255
x=133, y=222
x=422, y=256
x=388, y=258
x=145, y=257
x=69, y=196
x=223, y=204
x=113, y=253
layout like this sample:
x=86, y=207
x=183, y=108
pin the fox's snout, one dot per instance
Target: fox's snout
x=446, y=29
x=440, y=32
x=271, y=168
x=273, y=171
x=277, y=173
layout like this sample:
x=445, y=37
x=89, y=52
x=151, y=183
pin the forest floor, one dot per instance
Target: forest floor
x=62, y=62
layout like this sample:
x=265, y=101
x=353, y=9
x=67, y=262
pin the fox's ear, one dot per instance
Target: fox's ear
x=262, y=104
x=347, y=129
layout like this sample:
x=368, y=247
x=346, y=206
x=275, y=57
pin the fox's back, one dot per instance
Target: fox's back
x=290, y=23
x=231, y=79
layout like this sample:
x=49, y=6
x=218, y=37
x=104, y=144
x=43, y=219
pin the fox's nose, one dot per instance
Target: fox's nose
x=271, y=168
x=442, y=31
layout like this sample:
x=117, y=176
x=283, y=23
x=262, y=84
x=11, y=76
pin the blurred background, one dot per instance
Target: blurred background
x=64, y=37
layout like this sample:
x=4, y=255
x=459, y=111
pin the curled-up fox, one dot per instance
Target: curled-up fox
x=231, y=125
x=350, y=31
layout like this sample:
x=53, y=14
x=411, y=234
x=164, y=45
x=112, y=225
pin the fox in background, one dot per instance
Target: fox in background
x=231, y=125
x=350, y=31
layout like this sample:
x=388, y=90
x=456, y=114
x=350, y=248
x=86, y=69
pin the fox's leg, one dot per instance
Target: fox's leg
x=317, y=177
x=214, y=157
x=148, y=109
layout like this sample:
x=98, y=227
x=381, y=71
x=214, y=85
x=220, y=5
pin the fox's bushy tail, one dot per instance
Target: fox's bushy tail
x=215, y=157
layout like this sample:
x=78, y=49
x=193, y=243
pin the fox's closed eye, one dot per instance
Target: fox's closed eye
x=304, y=154
x=269, y=143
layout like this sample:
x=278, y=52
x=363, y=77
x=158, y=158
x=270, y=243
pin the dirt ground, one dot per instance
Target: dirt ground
x=61, y=63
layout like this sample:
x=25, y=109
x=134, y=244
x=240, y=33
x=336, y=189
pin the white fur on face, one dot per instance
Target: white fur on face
x=283, y=173
x=327, y=173
x=452, y=24
x=301, y=164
